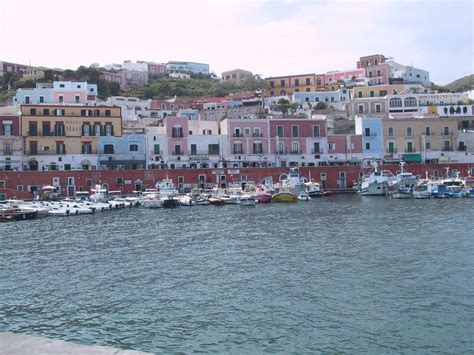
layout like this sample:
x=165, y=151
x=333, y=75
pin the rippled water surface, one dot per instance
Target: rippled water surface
x=346, y=273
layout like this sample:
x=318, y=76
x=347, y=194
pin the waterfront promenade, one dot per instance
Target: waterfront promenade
x=21, y=344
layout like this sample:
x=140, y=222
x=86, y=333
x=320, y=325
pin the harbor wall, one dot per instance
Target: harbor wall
x=21, y=184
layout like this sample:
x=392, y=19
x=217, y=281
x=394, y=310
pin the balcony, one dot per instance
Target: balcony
x=177, y=154
x=296, y=151
x=46, y=152
x=447, y=134
x=316, y=151
x=258, y=151
x=372, y=134
x=153, y=152
x=257, y=135
x=408, y=150
x=238, y=151
x=391, y=151
x=237, y=135
x=447, y=149
x=177, y=135
x=121, y=157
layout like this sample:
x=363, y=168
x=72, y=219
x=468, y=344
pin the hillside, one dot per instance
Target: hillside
x=462, y=84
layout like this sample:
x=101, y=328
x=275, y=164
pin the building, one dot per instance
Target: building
x=157, y=68
x=60, y=137
x=370, y=128
x=288, y=85
x=337, y=99
x=124, y=153
x=377, y=71
x=368, y=106
x=420, y=139
x=236, y=76
x=333, y=77
x=409, y=74
x=136, y=67
x=126, y=78
x=11, y=141
x=187, y=67
x=8, y=67
x=33, y=73
x=59, y=92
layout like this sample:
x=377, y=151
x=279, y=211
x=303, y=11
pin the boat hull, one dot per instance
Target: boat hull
x=284, y=197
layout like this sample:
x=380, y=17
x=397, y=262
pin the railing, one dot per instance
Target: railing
x=46, y=152
x=296, y=151
x=392, y=151
x=412, y=150
x=156, y=153
x=258, y=151
x=177, y=153
x=238, y=151
x=447, y=149
x=447, y=133
x=125, y=157
x=372, y=134
x=237, y=135
x=257, y=135
x=316, y=151
x=177, y=135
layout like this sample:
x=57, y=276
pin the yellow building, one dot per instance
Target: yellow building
x=287, y=85
x=418, y=135
x=53, y=134
x=377, y=90
x=236, y=76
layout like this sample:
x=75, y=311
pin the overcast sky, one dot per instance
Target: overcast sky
x=267, y=37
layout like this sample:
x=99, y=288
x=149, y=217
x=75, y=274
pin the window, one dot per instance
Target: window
x=256, y=132
x=282, y=83
x=86, y=148
x=7, y=149
x=409, y=131
x=177, y=149
x=297, y=82
x=372, y=93
x=27, y=100
x=360, y=108
x=367, y=132
x=134, y=147
x=295, y=148
x=359, y=94
x=446, y=131
x=247, y=131
x=7, y=128
x=295, y=131
x=395, y=102
x=61, y=98
x=409, y=148
x=308, y=81
x=19, y=187
x=109, y=130
x=61, y=85
x=258, y=148
x=107, y=112
x=108, y=149
x=41, y=99
x=177, y=132
x=281, y=148
x=156, y=149
x=46, y=129
x=60, y=148
x=390, y=132
x=377, y=108
x=316, y=131
x=428, y=145
x=78, y=99
x=59, y=129
x=383, y=93
x=427, y=131
x=32, y=129
x=280, y=131
x=272, y=84
x=332, y=146
x=238, y=149
x=410, y=102
x=316, y=148
x=33, y=148
x=367, y=146
x=308, y=89
x=32, y=111
x=46, y=112
x=213, y=149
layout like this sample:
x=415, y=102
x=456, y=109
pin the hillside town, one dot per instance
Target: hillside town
x=378, y=112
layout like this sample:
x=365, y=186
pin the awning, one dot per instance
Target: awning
x=412, y=158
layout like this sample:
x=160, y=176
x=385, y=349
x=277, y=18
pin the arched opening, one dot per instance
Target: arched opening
x=33, y=164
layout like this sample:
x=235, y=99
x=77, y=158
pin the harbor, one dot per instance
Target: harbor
x=385, y=272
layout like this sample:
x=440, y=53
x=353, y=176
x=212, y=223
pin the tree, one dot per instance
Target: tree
x=283, y=105
x=321, y=106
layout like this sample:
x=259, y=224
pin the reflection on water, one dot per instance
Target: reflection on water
x=345, y=273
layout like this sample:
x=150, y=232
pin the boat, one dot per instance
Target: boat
x=422, y=191
x=403, y=193
x=186, y=200
x=284, y=194
x=247, y=200
x=17, y=214
x=304, y=197
x=216, y=201
x=262, y=195
x=377, y=182
x=313, y=189
x=151, y=199
x=168, y=194
x=440, y=191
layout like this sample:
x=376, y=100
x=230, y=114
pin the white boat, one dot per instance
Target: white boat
x=313, y=189
x=377, y=182
x=247, y=200
x=403, y=193
x=168, y=193
x=151, y=199
x=186, y=200
x=304, y=197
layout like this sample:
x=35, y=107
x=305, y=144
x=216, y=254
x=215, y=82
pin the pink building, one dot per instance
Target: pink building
x=344, y=144
x=176, y=129
x=127, y=78
x=297, y=136
x=377, y=71
x=346, y=75
x=157, y=68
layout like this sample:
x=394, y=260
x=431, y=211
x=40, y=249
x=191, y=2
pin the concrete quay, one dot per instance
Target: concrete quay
x=21, y=344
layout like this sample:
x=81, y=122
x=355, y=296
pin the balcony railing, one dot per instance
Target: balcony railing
x=412, y=150
x=177, y=153
x=258, y=151
x=238, y=151
x=295, y=151
x=372, y=134
x=177, y=135
x=392, y=151
x=257, y=135
x=447, y=149
x=46, y=152
x=316, y=151
x=153, y=152
x=123, y=157
x=237, y=135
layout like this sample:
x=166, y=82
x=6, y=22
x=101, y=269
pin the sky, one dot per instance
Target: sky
x=267, y=37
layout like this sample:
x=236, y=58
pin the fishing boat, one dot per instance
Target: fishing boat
x=304, y=197
x=168, y=194
x=151, y=199
x=377, y=182
x=284, y=193
x=17, y=214
x=403, y=192
x=262, y=195
x=313, y=189
x=247, y=200
x=422, y=191
x=186, y=200
x=216, y=201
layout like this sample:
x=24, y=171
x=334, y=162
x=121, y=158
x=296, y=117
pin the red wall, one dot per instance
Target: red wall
x=191, y=176
x=15, y=124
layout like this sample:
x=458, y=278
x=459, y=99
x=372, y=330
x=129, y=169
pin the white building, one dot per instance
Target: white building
x=409, y=74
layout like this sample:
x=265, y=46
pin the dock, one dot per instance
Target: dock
x=21, y=344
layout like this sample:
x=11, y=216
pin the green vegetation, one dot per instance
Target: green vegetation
x=463, y=84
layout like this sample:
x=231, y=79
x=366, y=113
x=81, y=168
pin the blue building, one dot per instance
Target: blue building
x=372, y=137
x=328, y=97
x=126, y=152
x=185, y=67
